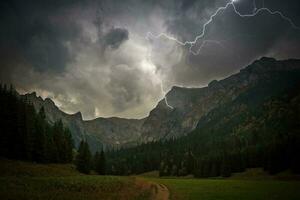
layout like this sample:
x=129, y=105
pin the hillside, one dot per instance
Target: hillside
x=100, y=132
x=115, y=131
x=191, y=104
x=255, y=125
x=53, y=113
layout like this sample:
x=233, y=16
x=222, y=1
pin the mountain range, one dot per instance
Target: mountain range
x=191, y=106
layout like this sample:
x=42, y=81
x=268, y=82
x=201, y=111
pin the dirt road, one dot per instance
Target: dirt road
x=158, y=191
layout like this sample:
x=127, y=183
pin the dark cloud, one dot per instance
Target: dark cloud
x=288, y=8
x=115, y=37
x=241, y=40
x=60, y=48
x=45, y=46
x=187, y=4
x=188, y=17
x=35, y=29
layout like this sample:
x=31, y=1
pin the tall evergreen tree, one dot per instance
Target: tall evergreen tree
x=83, y=158
x=99, y=161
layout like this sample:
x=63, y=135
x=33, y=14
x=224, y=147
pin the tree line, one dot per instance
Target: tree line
x=252, y=131
x=26, y=135
x=85, y=161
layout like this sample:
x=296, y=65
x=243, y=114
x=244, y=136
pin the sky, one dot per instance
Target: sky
x=104, y=57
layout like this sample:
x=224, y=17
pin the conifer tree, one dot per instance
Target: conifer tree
x=83, y=158
x=99, y=162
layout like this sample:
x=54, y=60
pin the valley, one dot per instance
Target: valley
x=150, y=100
x=237, y=138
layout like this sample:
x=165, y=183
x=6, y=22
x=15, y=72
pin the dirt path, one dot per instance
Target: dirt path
x=158, y=191
x=162, y=192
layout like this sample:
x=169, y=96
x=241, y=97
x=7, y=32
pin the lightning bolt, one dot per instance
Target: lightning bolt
x=165, y=98
x=192, y=43
x=231, y=3
x=254, y=6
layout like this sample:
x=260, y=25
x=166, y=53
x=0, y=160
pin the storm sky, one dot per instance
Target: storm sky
x=93, y=56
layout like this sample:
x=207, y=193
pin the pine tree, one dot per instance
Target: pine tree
x=99, y=163
x=40, y=137
x=69, y=145
x=225, y=168
x=83, y=158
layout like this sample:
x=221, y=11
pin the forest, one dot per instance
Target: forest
x=27, y=135
x=241, y=134
x=260, y=128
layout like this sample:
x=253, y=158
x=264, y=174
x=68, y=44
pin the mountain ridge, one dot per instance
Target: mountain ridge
x=190, y=105
x=194, y=103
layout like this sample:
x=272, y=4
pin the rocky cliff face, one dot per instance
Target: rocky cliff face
x=100, y=133
x=115, y=131
x=189, y=106
x=73, y=122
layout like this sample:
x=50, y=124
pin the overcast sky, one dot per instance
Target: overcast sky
x=93, y=56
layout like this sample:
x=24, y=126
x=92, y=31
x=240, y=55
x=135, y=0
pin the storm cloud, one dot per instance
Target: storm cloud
x=115, y=37
x=93, y=56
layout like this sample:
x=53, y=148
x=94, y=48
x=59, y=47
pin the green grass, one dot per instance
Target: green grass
x=20, y=168
x=225, y=189
x=71, y=187
x=23, y=180
x=151, y=174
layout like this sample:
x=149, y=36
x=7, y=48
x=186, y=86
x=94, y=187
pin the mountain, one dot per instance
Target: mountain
x=53, y=113
x=115, y=131
x=190, y=105
x=250, y=120
x=100, y=133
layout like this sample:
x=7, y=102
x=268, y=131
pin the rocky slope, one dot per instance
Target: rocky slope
x=189, y=106
x=115, y=131
x=255, y=125
x=100, y=133
x=73, y=122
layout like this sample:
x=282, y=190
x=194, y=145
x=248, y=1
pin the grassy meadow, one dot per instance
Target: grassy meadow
x=22, y=180
x=249, y=185
x=71, y=187
x=224, y=189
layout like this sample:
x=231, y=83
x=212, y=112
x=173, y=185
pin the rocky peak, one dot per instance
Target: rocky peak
x=33, y=96
x=49, y=102
x=77, y=116
x=99, y=132
x=190, y=104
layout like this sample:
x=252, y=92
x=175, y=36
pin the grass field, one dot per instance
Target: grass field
x=21, y=180
x=71, y=187
x=225, y=189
